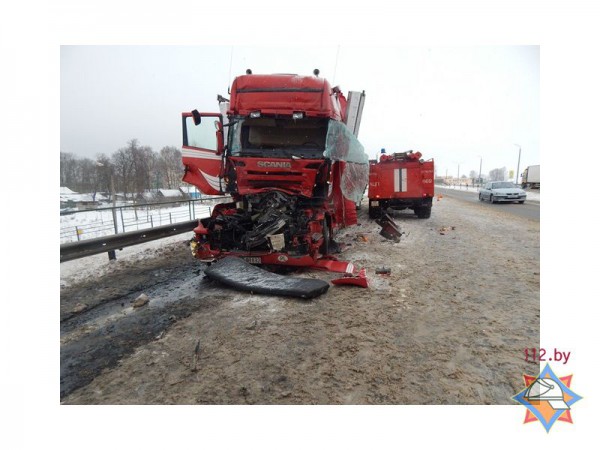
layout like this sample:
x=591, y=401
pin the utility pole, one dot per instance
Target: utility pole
x=480, y=162
x=518, y=163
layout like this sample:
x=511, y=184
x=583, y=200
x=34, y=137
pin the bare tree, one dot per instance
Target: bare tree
x=144, y=161
x=68, y=170
x=87, y=176
x=122, y=161
x=133, y=169
x=498, y=174
x=105, y=171
x=170, y=167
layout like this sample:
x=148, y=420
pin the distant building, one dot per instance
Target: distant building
x=72, y=199
x=170, y=194
x=190, y=191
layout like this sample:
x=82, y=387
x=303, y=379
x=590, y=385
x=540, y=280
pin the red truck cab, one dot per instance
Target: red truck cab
x=281, y=149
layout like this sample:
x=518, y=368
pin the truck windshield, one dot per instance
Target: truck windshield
x=279, y=138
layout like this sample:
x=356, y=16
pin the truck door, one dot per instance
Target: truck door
x=202, y=151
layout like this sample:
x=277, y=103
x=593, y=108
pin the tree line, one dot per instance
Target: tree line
x=132, y=169
x=498, y=174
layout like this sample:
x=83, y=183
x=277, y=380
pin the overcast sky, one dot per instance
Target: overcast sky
x=458, y=105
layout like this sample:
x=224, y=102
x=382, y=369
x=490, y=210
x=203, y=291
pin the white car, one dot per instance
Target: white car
x=502, y=191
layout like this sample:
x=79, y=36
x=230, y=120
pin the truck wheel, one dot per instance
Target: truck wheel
x=374, y=212
x=492, y=198
x=424, y=212
x=480, y=197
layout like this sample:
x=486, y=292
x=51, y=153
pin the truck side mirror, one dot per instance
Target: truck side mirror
x=197, y=117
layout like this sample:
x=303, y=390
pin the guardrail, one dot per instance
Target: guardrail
x=93, y=223
x=100, y=230
x=89, y=247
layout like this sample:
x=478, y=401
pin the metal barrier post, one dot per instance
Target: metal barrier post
x=114, y=216
x=122, y=220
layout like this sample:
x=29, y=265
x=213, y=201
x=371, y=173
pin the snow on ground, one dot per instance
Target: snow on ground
x=74, y=271
x=93, y=224
x=531, y=196
x=98, y=223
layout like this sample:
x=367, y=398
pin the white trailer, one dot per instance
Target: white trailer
x=530, y=178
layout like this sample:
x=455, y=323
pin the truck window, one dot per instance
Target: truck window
x=202, y=135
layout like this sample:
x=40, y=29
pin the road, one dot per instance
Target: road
x=447, y=325
x=528, y=210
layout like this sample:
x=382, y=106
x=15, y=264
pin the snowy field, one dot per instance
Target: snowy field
x=92, y=224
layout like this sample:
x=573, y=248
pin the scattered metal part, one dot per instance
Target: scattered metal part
x=389, y=229
x=383, y=270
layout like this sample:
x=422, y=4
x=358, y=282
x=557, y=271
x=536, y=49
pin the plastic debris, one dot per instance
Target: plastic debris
x=239, y=274
x=353, y=280
x=389, y=229
x=332, y=264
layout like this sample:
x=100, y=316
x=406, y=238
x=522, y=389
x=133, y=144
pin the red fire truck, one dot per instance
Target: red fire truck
x=284, y=148
x=401, y=181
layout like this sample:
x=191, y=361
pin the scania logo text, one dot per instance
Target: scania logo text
x=277, y=164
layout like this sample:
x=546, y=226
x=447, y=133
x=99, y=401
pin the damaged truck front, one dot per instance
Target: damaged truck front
x=284, y=148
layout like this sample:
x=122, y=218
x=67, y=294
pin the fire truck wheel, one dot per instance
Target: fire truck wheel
x=374, y=212
x=423, y=212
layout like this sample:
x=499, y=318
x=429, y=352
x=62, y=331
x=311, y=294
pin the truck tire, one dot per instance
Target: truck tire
x=423, y=212
x=480, y=197
x=492, y=199
x=374, y=212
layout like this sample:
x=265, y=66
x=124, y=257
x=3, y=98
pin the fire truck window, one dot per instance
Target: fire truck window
x=202, y=135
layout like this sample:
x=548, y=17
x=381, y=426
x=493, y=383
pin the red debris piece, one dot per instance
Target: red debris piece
x=353, y=280
x=331, y=264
